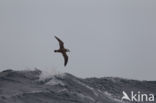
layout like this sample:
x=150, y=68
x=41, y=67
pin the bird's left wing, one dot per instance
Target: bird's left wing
x=65, y=58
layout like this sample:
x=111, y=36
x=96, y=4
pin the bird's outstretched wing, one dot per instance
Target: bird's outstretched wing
x=60, y=42
x=65, y=56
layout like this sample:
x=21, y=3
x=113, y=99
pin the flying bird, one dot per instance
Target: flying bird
x=62, y=50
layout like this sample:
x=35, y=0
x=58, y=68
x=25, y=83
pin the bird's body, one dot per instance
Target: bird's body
x=62, y=50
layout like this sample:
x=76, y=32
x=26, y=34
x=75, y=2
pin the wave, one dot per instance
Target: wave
x=28, y=87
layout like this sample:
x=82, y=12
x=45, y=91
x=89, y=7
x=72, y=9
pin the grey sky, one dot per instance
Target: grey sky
x=106, y=37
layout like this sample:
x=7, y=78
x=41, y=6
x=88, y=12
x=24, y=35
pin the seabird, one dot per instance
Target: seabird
x=62, y=50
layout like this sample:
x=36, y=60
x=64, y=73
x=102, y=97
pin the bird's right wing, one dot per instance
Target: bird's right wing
x=60, y=42
x=65, y=58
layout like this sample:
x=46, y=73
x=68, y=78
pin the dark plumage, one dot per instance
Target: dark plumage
x=62, y=50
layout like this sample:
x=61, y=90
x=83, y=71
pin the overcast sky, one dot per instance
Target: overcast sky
x=106, y=37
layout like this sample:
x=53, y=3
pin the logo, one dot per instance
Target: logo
x=137, y=97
